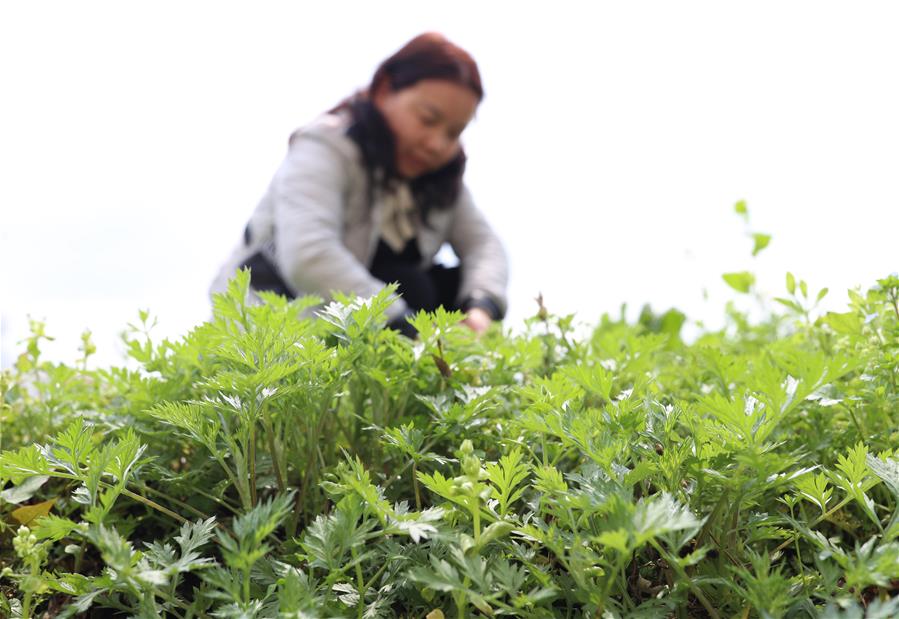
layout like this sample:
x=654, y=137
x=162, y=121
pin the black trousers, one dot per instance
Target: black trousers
x=422, y=289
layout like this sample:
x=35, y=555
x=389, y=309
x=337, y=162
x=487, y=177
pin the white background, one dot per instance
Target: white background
x=614, y=139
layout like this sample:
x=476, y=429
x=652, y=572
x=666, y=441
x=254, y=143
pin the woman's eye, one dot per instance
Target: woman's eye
x=428, y=121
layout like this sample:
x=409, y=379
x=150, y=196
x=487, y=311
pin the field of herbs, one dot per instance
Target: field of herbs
x=271, y=464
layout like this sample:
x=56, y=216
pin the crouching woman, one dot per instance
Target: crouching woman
x=370, y=191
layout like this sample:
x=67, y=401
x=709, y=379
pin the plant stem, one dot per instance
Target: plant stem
x=415, y=485
x=273, y=448
x=696, y=591
x=377, y=575
x=186, y=506
x=251, y=449
x=154, y=505
x=26, y=606
x=863, y=435
x=360, y=583
x=476, y=515
x=824, y=516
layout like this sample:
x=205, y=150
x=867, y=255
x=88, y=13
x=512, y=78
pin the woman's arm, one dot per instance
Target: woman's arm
x=309, y=193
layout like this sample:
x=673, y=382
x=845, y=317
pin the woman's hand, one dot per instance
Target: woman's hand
x=478, y=320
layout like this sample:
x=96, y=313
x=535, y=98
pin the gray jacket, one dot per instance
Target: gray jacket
x=315, y=225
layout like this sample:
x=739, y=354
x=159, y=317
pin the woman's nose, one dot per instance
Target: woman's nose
x=437, y=143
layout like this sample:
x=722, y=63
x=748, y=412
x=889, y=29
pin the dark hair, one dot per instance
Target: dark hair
x=427, y=56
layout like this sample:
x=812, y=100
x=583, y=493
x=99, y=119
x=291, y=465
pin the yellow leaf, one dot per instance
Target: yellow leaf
x=29, y=513
x=435, y=614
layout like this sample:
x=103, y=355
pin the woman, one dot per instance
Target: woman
x=370, y=191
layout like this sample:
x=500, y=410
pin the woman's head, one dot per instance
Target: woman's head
x=428, y=92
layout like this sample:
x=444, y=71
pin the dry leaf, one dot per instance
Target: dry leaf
x=29, y=513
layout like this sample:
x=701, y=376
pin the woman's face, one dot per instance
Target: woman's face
x=427, y=119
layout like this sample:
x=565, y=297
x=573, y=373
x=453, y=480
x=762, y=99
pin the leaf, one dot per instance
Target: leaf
x=821, y=294
x=662, y=514
x=594, y=379
x=793, y=305
x=617, y=539
x=495, y=531
x=791, y=283
x=506, y=477
x=24, y=463
x=29, y=513
x=848, y=323
x=25, y=490
x=418, y=526
x=53, y=527
x=346, y=593
x=441, y=577
x=740, y=281
x=815, y=489
x=760, y=241
x=887, y=470
x=740, y=209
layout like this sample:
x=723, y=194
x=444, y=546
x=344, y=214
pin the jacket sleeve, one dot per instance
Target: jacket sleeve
x=309, y=193
x=485, y=268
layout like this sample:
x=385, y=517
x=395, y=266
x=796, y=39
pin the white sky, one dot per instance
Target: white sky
x=136, y=138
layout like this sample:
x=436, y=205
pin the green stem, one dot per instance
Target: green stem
x=821, y=518
x=476, y=515
x=696, y=591
x=227, y=469
x=154, y=505
x=241, y=475
x=273, y=448
x=424, y=449
x=251, y=448
x=863, y=435
x=462, y=599
x=360, y=583
x=26, y=606
x=147, y=489
x=376, y=576
x=415, y=485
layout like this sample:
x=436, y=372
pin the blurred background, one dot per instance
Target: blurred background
x=613, y=142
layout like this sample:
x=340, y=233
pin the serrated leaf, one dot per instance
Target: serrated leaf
x=441, y=576
x=506, y=477
x=26, y=462
x=346, y=593
x=53, y=527
x=662, y=514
